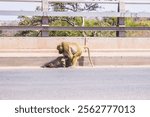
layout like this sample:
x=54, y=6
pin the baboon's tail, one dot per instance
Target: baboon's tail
x=89, y=56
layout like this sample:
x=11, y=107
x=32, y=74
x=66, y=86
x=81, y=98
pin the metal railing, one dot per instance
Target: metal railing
x=45, y=11
x=121, y=14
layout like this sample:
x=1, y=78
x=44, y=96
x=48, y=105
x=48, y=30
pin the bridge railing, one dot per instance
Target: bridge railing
x=121, y=14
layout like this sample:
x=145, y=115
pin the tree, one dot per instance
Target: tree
x=27, y=21
x=74, y=7
x=58, y=21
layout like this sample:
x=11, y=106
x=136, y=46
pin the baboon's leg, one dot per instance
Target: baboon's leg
x=74, y=61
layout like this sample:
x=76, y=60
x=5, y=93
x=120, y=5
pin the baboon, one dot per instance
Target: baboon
x=71, y=53
x=56, y=63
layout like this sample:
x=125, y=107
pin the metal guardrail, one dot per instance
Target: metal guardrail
x=45, y=11
x=82, y=1
x=35, y=28
x=75, y=14
x=121, y=14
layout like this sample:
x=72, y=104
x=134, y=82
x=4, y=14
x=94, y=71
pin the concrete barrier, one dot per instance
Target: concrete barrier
x=36, y=51
x=92, y=42
x=34, y=42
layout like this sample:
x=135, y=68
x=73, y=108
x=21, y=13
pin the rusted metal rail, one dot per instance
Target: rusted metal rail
x=35, y=28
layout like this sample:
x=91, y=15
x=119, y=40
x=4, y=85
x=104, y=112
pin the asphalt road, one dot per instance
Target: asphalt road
x=79, y=83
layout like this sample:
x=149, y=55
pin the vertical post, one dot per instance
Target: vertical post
x=44, y=17
x=121, y=20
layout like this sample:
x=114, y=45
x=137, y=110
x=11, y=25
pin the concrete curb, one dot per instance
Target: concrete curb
x=98, y=58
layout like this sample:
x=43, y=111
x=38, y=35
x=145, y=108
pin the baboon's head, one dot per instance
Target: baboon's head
x=60, y=49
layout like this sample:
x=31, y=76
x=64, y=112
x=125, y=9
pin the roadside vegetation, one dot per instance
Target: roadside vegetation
x=89, y=22
x=80, y=22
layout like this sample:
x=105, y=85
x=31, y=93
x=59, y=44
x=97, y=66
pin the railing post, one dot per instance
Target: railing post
x=121, y=20
x=45, y=18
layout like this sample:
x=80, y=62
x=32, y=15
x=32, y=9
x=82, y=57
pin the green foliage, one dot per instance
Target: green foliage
x=65, y=33
x=29, y=21
x=27, y=33
x=78, y=22
x=110, y=21
x=137, y=22
x=68, y=22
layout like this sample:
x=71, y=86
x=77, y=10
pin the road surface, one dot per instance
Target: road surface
x=80, y=83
